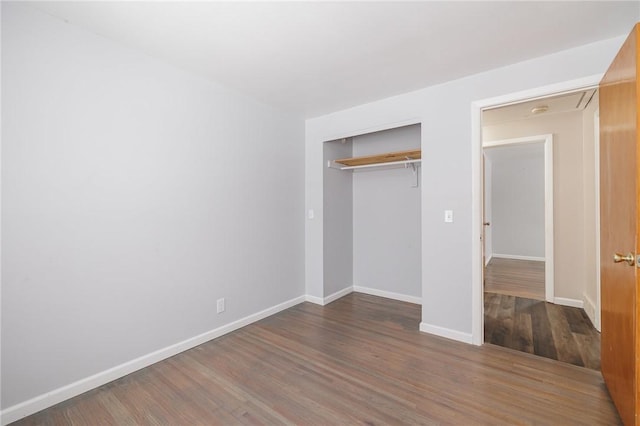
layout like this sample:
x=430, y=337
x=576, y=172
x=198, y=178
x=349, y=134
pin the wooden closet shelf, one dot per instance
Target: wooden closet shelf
x=389, y=157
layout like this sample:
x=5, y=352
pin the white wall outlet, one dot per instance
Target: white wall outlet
x=220, y=305
x=448, y=216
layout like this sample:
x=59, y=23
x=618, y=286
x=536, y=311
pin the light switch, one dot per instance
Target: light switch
x=311, y=214
x=448, y=216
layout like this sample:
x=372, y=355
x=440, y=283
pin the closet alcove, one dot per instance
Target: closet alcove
x=372, y=221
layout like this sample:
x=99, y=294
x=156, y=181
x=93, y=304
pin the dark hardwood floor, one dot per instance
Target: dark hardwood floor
x=358, y=360
x=553, y=331
x=522, y=278
x=517, y=316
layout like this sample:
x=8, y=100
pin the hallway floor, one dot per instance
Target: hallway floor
x=522, y=278
x=516, y=316
x=553, y=331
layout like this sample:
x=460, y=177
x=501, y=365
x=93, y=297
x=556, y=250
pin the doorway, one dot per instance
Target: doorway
x=562, y=316
x=518, y=216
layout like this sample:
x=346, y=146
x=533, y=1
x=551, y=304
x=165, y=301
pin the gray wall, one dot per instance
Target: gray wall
x=517, y=200
x=133, y=196
x=338, y=220
x=386, y=217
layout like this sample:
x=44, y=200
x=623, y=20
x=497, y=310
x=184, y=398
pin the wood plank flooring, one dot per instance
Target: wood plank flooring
x=517, y=317
x=522, y=278
x=545, y=329
x=358, y=360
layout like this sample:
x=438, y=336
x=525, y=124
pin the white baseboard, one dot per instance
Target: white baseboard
x=388, y=294
x=56, y=396
x=488, y=259
x=517, y=257
x=322, y=301
x=575, y=303
x=589, y=308
x=338, y=294
x=446, y=332
x=314, y=299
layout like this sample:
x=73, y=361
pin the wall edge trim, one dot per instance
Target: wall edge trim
x=388, y=294
x=590, y=308
x=565, y=301
x=322, y=301
x=446, y=333
x=518, y=257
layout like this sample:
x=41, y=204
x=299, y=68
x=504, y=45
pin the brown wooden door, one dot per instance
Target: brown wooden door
x=619, y=222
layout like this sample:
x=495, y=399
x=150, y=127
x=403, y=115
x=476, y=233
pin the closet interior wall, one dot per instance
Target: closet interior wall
x=338, y=220
x=386, y=218
x=372, y=224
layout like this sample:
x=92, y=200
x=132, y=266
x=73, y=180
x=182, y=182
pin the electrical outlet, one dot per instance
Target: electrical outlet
x=220, y=305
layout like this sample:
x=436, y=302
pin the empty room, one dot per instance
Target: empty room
x=276, y=213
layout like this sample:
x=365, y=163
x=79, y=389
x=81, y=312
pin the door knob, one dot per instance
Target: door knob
x=617, y=258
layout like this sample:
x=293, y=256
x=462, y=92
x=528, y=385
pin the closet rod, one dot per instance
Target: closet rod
x=405, y=163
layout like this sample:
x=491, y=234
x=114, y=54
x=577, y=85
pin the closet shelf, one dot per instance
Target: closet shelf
x=380, y=160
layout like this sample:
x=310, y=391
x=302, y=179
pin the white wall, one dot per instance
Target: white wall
x=338, y=220
x=133, y=196
x=517, y=200
x=445, y=113
x=386, y=218
x=591, y=206
x=568, y=192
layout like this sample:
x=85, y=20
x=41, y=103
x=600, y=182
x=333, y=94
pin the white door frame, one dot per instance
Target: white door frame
x=547, y=140
x=477, y=304
x=596, y=133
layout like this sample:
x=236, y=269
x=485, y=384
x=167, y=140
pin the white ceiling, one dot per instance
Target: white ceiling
x=569, y=102
x=319, y=57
